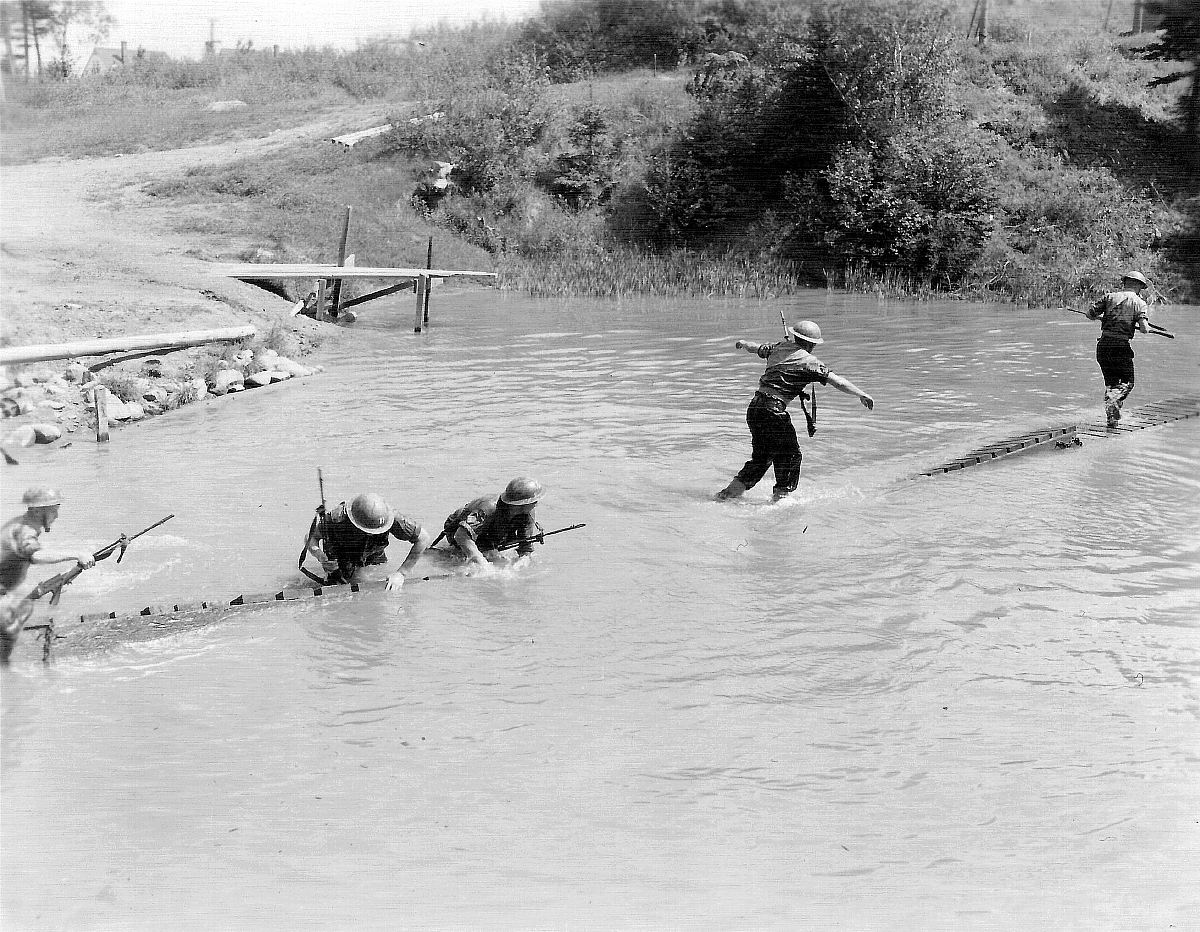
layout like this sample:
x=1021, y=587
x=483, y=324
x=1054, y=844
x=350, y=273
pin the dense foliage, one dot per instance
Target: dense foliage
x=849, y=142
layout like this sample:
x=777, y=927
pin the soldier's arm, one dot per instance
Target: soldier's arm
x=847, y=387
x=419, y=546
x=467, y=544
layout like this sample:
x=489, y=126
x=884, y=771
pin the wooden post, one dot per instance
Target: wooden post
x=421, y=285
x=321, y=315
x=983, y=22
x=100, y=400
x=336, y=300
x=1137, y=16
x=428, y=281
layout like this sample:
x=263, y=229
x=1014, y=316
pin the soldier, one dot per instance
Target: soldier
x=478, y=528
x=1121, y=314
x=356, y=535
x=790, y=368
x=21, y=546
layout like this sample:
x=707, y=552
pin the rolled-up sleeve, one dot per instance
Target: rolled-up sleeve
x=404, y=528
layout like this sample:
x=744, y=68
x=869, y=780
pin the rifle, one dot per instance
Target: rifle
x=810, y=416
x=55, y=583
x=1154, y=328
x=311, y=530
x=538, y=538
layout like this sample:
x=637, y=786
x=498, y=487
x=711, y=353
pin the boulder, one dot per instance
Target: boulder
x=259, y=379
x=23, y=436
x=76, y=372
x=227, y=380
x=117, y=409
x=47, y=433
x=136, y=411
x=194, y=390
x=25, y=379
x=279, y=375
x=224, y=106
x=152, y=409
x=154, y=394
x=292, y=367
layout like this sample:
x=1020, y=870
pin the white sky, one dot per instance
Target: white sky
x=181, y=27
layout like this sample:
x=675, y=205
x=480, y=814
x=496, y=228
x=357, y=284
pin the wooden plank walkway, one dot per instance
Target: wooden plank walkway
x=1153, y=414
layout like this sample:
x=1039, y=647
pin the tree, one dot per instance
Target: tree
x=1179, y=40
x=55, y=19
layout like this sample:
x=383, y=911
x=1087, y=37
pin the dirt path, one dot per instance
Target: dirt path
x=85, y=253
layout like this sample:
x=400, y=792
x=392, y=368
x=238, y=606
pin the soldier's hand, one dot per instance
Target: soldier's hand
x=395, y=582
x=86, y=560
x=868, y=402
x=740, y=344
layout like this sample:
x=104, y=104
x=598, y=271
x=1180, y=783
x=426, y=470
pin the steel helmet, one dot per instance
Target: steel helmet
x=370, y=513
x=521, y=491
x=41, y=496
x=806, y=330
x=1135, y=276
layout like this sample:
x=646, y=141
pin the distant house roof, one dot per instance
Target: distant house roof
x=103, y=58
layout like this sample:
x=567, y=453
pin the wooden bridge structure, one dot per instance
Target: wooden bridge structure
x=328, y=303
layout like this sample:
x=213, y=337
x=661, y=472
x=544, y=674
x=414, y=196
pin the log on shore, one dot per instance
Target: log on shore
x=153, y=341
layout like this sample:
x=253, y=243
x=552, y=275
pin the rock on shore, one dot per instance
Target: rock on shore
x=39, y=405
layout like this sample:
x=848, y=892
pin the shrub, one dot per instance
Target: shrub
x=915, y=203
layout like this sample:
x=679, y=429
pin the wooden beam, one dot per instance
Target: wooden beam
x=128, y=344
x=422, y=285
x=335, y=303
x=382, y=292
x=428, y=281
x=100, y=400
x=266, y=270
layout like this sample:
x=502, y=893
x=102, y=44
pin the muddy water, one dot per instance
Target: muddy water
x=968, y=701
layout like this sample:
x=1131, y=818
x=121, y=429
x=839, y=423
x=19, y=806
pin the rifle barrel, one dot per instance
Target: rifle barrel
x=540, y=538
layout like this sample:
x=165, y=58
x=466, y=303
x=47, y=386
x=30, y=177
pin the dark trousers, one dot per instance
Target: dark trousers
x=772, y=441
x=1116, y=363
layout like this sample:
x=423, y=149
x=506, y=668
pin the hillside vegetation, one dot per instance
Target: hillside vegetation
x=616, y=147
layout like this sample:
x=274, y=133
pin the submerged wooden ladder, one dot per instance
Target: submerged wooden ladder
x=96, y=628
x=1153, y=414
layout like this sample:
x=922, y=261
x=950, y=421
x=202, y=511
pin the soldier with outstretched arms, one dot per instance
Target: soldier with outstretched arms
x=20, y=548
x=791, y=367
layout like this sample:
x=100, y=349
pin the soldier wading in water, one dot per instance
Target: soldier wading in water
x=355, y=535
x=791, y=367
x=1121, y=314
x=20, y=548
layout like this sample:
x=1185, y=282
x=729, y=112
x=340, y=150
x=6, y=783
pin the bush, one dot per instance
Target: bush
x=488, y=124
x=916, y=203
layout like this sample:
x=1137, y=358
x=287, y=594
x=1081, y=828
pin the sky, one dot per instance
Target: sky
x=181, y=27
